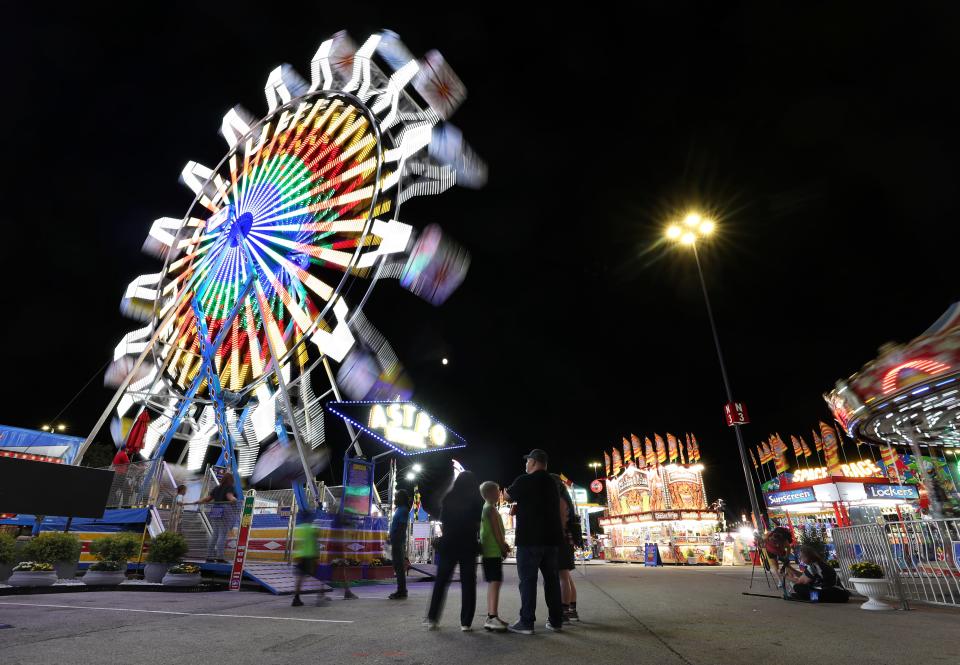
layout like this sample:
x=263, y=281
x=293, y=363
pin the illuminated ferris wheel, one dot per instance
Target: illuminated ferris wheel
x=265, y=277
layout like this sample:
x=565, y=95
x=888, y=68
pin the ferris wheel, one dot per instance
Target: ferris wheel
x=265, y=277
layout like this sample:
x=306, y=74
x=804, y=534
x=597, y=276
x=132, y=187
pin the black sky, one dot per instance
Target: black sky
x=823, y=139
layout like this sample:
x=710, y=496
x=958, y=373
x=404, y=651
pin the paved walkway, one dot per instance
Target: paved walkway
x=631, y=615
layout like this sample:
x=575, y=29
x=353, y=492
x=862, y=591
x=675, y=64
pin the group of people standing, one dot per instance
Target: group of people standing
x=546, y=532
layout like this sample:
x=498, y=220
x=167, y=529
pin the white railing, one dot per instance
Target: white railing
x=920, y=558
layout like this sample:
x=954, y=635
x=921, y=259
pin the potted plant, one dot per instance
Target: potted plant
x=8, y=555
x=33, y=573
x=60, y=549
x=712, y=559
x=112, y=554
x=691, y=557
x=182, y=574
x=166, y=549
x=868, y=579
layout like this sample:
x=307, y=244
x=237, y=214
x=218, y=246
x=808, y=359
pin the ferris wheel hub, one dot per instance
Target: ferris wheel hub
x=240, y=228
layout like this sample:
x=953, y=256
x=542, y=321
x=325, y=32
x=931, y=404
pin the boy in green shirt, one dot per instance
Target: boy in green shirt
x=493, y=547
x=305, y=555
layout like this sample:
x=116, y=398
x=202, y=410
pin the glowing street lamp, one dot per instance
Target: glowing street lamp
x=595, y=466
x=694, y=228
x=411, y=475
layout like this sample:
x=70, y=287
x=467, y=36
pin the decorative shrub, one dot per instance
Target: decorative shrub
x=345, y=562
x=53, y=546
x=167, y=547
x=184, y=569
x=33, y=567
x=866, y=570
x=108, y=566
x=7, y=545
x=833, y=563
x=119, y=547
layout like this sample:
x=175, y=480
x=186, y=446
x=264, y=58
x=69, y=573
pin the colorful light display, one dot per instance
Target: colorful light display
x=265, y=276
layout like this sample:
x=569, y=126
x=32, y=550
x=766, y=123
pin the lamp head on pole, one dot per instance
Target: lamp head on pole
x=692, y=228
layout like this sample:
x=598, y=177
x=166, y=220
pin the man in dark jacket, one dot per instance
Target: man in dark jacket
x=539, y=535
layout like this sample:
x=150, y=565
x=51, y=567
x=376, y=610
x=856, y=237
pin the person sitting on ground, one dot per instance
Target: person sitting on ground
x=817, y=576
x=493, y=549
x=398, y=542
x=305, y=555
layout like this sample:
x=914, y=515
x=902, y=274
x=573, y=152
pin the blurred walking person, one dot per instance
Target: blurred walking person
x=458, y=546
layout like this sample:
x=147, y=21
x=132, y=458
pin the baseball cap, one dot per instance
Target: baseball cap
x=538, y=455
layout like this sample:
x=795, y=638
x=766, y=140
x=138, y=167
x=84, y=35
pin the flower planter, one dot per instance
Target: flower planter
x=347, y=573
x=104, y=577
x=378, y=572
x=5, y=571
x=692, y=561
x=39, y=578
x=154, y=572
x=66, y=570
x=873, y=589
x=181, y=579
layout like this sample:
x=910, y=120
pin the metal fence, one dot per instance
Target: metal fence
x=920, y=558
x=133, y=485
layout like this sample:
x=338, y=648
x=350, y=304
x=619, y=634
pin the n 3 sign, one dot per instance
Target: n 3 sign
x=736, y=414
x=406, y=425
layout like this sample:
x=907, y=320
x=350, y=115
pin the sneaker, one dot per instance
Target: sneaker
x=571, y=615
x=495, y=623
x=431, y=625
x=556, y=629
x=397, y=595
x=297, y=602
x=466, y=629
x=323, y=599
x=521, y=628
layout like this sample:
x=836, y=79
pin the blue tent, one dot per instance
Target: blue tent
x=34, y=442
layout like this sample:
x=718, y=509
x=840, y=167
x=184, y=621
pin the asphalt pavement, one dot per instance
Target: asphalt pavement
x=631, y=614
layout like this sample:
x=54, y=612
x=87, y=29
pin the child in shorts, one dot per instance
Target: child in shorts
x=493, y=547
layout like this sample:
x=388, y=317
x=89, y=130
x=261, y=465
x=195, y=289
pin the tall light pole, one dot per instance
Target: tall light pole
x=596, y=468
x=692, y=229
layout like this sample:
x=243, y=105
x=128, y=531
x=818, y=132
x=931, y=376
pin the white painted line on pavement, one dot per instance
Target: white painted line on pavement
x=189, y=614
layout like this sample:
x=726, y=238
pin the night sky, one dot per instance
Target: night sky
x=823, y=140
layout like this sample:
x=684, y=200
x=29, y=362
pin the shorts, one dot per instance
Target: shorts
x=565, y=559
x=492, y=568
x=306, y=567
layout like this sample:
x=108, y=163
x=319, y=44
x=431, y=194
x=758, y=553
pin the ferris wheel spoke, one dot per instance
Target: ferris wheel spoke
x=323, y=290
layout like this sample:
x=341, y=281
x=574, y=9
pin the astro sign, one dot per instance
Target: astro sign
x=790, y=497
x=406, y=425
x=403, y=426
